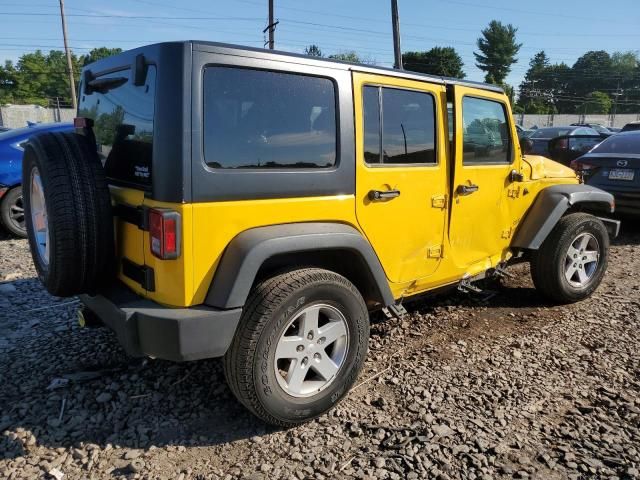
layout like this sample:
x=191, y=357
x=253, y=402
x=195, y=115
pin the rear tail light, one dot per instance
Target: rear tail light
x=164, y=233
x=579, y=166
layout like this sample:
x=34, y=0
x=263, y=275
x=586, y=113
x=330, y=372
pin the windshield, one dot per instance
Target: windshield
x=619, y=144
x=550, y=132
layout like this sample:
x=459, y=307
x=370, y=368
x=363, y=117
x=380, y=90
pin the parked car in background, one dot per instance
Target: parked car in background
x=631, y=127
x=614, y=166
x=615, y=129
x=523, y=132
x=542, y=137
x=601, y=129
x=11, y=147
x=4, y=129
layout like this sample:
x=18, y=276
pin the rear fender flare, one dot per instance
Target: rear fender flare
x=249, y=250
x=550, y=205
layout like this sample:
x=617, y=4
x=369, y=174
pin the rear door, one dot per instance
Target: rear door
x=123, y=115
x=401, y=172
x=481, y=217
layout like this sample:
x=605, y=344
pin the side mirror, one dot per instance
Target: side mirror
x=526, y=145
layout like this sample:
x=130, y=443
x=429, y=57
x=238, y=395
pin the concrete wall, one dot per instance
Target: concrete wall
x=16, y=116
x=528, y=121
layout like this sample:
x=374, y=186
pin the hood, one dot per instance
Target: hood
x=542, y=167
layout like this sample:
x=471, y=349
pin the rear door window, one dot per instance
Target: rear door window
x=399, y=126
x=260, y=119
x=123, y=116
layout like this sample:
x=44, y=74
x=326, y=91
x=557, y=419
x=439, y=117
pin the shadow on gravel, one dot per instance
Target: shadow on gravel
x=63, y=386
x=629, y=231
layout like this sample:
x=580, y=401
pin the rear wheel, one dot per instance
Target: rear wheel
x=12, y=212
x=301, y=343
x=572, y=260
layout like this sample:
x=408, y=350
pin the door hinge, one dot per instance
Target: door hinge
x=439, y=201
x=394, y=311
x=434, y=251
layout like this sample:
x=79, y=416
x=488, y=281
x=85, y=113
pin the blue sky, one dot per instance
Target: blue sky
x=563, y=29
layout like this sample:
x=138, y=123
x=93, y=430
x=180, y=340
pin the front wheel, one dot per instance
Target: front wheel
x=300, y=346
x=573, y=259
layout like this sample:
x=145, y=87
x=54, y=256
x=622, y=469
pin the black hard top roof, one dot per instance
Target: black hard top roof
x=240, y=50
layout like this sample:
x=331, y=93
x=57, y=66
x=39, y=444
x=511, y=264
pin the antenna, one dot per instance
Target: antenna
x=397, y=52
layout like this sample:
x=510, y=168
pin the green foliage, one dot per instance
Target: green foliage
x=99, y=53
x=39, y=78
x=313, y=51
x=597, y=102
x=498, y=50
x=350, y=56
x=443, y=61
x=558, y=88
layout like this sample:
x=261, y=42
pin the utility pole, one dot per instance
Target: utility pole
x=615, y=104
x=397, y=52
x=72, y=82
x=271, y=25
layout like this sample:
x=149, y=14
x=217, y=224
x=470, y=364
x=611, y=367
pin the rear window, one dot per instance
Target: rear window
x=550, y=132
x=263, y=119
x=123, y=125
x=619, y=144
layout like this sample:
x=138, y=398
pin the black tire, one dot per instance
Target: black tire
x=12, y=212
x=78, y=212
x=249, y=362
x=549, y=262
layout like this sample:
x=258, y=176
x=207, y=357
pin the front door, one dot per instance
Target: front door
x=401, y=172
x=481, y=225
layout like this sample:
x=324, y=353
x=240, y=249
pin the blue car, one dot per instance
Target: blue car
x=11, y=148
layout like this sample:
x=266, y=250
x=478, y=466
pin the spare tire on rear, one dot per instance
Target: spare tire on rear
x=68, y=213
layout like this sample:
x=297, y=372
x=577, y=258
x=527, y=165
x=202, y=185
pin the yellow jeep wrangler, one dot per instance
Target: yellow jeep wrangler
x=225, y=201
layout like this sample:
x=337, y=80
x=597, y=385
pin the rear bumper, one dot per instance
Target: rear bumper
x=145, y=328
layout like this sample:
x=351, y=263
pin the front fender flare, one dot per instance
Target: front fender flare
x=247, y=251
x=550, y=205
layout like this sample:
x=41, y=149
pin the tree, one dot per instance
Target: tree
x=498, y=50
x=534, y=95
x=625, y=67
x=591, y=72
x=40, y=79
x=597, y=102
x=313, y=51
x=99, y=53
x=350, y=56
x=443, y=61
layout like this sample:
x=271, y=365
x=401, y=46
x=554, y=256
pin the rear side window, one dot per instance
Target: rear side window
x=123, y=125
x=486, y=136
x=620, y=144
x=400, y=124
x=264, y=119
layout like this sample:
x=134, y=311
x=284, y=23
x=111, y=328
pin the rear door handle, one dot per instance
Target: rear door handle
x=377, y=195
x=467, y=189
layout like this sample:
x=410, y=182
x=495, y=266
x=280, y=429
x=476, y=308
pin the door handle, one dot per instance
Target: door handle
x=467, y=189
x=377, y=195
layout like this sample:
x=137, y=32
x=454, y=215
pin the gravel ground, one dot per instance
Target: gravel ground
x=462, y=387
